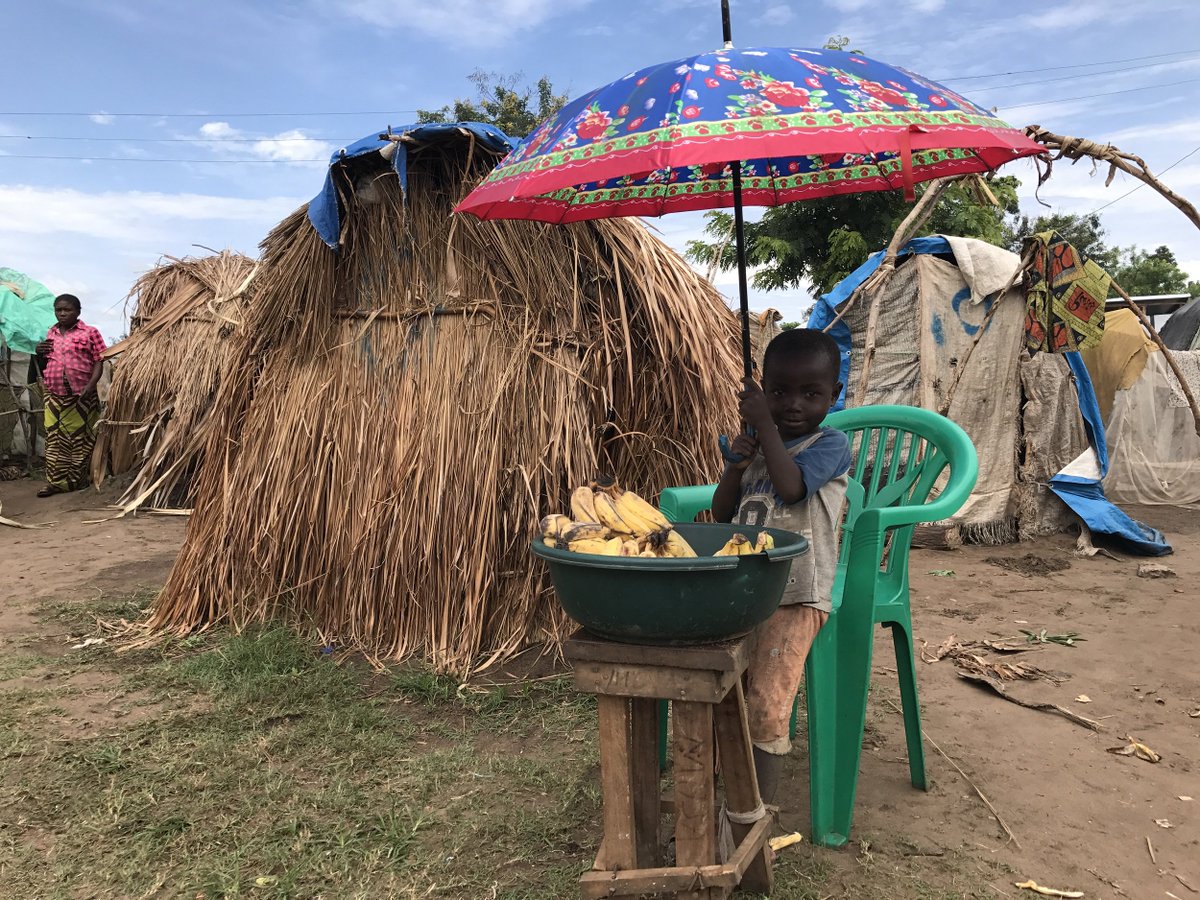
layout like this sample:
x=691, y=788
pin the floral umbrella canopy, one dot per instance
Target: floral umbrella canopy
x=758, y=126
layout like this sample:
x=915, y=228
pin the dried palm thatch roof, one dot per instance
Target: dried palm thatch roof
x=185, y=316
x=407, y=408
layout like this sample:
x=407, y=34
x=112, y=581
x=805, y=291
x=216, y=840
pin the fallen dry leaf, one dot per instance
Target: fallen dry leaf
x=1185, y=799
x=1083, y=698
x=1045, y=891
x=785, y=840
x=1136, y=748
x=1195, y=713
x=1163, y=823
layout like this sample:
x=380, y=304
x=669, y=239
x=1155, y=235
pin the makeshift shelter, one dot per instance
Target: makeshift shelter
x=1149, y=428
x=186, y=313
x=947, y=332
x=1182, y=330
x=414, y=390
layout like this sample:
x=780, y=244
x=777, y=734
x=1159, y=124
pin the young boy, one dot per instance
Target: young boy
x=793, y=476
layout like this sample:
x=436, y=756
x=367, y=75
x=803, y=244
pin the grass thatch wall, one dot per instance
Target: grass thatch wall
x=402, y=412
x=165, y=374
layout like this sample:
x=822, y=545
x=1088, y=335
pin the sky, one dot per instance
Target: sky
x=132, y=130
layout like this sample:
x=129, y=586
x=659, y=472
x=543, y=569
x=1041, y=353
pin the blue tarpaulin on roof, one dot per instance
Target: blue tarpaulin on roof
x=324, y=210
x=1082, y=493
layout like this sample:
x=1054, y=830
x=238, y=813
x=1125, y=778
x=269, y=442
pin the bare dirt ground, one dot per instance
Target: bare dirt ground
x=1082, y=818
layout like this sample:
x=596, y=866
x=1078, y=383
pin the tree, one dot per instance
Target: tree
x=788, y=326
x=1138, y=272
x=824, y=240
x=1141, y=274
x=1084, y=232
x=502, y=101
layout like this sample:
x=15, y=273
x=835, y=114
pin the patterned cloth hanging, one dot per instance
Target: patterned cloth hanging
x=1065, y=291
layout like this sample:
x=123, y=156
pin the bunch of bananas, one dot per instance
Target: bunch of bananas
x=739, y=545
x=610, y=521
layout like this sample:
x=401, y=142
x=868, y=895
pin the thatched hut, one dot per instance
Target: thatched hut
x=186, y=313
x=402, y=409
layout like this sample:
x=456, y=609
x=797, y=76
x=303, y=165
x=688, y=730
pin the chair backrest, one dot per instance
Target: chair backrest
x=898, y=456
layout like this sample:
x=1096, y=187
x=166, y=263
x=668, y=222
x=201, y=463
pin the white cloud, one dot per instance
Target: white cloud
x=596, y=31
x=779, y=14
x=218, y=130
x=95, y=245
x=462, y=21
x=102, y=118
x=287, y=146
x=125, y=215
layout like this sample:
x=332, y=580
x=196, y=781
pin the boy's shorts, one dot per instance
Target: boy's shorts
x=776, y=667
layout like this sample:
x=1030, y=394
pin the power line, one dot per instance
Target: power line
x=1105, y=94
x=160, y=160
x=210, y=115
x=1104, y=74
x=140, y=140
x=1142, y=184
x=1102, y=62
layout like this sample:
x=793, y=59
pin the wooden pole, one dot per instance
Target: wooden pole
x=1074, y=148
x=879, y=278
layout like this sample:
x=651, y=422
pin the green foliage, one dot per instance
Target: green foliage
x=1085, y=233
x=824, y=240
x=839, y=42
x=503, y=101
x=1142, y=273
x=1138, y=272
x=789, y=326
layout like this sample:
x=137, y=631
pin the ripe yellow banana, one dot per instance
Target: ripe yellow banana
x=629, y=548
x=639, y=514
x=597, y=546
x=554, y=526
x=582, y=505
x=608, y=515
x=674, y=545
x=738, y=545
x=764, y=543
x=585, y=531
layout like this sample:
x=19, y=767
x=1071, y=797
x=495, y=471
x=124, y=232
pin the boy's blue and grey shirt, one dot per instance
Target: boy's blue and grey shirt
x=824, y=461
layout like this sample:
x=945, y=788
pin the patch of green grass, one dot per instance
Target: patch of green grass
x=254, y=766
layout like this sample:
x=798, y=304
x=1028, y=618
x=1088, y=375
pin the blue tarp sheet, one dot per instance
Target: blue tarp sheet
x=324, y=210
x=1085, y=496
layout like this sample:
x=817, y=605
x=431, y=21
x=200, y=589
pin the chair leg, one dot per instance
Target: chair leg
x=821, y=685
x=853, y=638
x=907, y=671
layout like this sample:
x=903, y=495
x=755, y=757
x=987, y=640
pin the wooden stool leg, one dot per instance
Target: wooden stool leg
x=646, y=794
x=741, y=786
x=618, y=851
x=695, y=824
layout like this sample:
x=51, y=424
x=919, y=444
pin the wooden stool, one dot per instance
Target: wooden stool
x=705, y=685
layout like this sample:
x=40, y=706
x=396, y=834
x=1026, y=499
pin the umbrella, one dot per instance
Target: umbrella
x=26, y=311
x=758, y=126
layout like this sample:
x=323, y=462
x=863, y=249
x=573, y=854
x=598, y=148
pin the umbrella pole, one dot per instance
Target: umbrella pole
x=743, y=290
x=739, y=227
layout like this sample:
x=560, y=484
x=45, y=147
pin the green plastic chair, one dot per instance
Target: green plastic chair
x=899, y=455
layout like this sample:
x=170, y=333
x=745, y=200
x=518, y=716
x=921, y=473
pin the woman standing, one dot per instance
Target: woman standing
x=71, y=367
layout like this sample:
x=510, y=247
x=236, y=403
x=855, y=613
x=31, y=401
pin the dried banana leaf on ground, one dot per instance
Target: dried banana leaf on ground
x=998, y=686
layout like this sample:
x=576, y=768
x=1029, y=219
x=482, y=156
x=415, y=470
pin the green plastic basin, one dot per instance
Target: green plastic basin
x=675, y=601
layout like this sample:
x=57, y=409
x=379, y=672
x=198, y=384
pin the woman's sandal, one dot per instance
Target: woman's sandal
x=48, y=491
